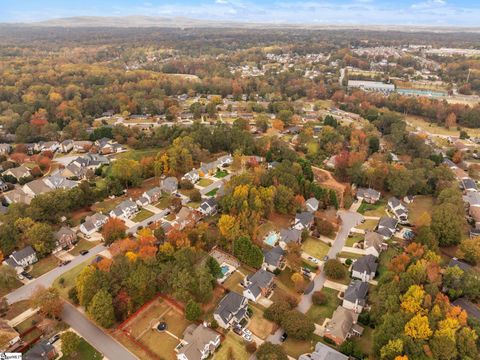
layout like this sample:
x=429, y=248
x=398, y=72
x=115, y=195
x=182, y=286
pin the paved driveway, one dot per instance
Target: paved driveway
x=24, y=292
x=101, y=341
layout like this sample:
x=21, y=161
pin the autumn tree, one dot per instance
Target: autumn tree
x=334, y=269
x=48, y=301
x=113, y=229
x=269, y=351
x=70, y=343
x=469, y=250
x=101, y=309
x=192, y=311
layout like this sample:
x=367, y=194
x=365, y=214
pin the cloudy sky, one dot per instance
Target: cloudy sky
x=403, y=12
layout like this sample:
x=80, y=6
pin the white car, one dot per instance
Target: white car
x=314, y=260
x=247, y=332
x=247, y=337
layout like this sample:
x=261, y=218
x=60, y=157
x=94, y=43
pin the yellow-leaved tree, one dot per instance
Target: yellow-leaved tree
x=418, y=328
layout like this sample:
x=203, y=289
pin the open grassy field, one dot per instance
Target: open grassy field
x=315, y=247
x=204, y=182
x=419, y=122
x=142, y=215
x=421, y=204
x=318, y=313
x=233, y=344
x=69, y=279
x=83, y=245
x=43, y=266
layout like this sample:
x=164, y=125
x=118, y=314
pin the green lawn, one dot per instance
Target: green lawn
x=16, y=283
x=138, y=154
x=295, y=348
x=83, y=245
x=355, y=238
x=233, y=344
x=377, y=209
x=170, y=217
x=204, y=182
x=143, y=214
x=212, y=192
x=349, y=255
x=28, y=323
x=318, y=313
x=107, y=205
x=84, y=351
x=420, y=205
x=315, y=248
x=221, y=174
x=368, y=225
x=69, y=279
x=193, y=204
x=163, y=203
x=44, y=265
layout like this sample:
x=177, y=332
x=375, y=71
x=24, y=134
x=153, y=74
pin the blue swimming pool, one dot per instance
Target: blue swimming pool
x=271, y=239
x=225, y=269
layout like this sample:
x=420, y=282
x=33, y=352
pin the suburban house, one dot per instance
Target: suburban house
x=36, y=187
x=468, y=184
x=225, y=160
x=5, y=149
x=17, y=196
x=323, y=352
x=303, y=221
x=52, y=146
x=56, y=181
x=42, y=350
x=312, y=204
x=273, y=258
x=186, y=217
x=208, y=168
x=198, y=343
x=192, y=176
x=370, y=196
x=258, y=285
x=20, y=259
x=66, y=146
x=343, y=325
x=3, y=186
x=149, y=197
x=461, y=264
x=82, y=146
x=93, y=223
x=398, y=209
x=169, y=185
x=208, y=207
x=232, y=309
x=288, y=236
x=386, y=227
x=107, y=146
x=374, y=243
x=355, y=296
x=65, y=237
x=365, y=268
x=18, y=173
x=8, y=336
x=125, y=210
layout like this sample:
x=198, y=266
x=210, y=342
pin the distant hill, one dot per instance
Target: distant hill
x=182, y=22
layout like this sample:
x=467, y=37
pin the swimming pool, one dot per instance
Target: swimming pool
x=225, y=269
x=271, y=239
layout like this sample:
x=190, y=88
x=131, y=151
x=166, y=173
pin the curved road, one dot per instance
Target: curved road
x=350, y=219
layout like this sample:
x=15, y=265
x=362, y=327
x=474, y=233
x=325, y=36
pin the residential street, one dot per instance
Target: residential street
x=349, y=220
x=24, y=292
x=144, y=223
x=110, y=348
x=218, y=183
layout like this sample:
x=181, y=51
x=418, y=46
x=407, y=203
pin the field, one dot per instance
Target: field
x=377, y=209
x=318, y=313
x=421, y=204
x=84, y=351
x=204, y=182
x=163, y=203
x=417, y=121
x=233, y=344
x=69, y=279
x=315, y=248
x=83, y=245
x=221, y=174
x=141, y=328
x=43, y=266
x=143, y=214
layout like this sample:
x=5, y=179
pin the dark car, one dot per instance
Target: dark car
x=27, y=275
x=283, y=337
x=66, y=262
x=84, y=252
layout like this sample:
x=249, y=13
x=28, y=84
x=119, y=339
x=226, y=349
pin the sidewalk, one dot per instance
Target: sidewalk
x=23, y=316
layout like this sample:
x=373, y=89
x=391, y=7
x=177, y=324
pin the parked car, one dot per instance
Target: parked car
x=314, y=260
x=53, y=339
x=84, y=252
x=325, y=258
x=27, y=275
x=283, y=337
x=247, y=337
x=248, y=332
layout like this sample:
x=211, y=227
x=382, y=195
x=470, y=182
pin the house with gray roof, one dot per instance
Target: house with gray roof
x=461, y=264
x=323, y=352
x=9, y=337
x=208, y=207
x=225, y=160
x=312, y=205
x=273, y=258
x=355, y=296
x=125, y=210
x=65, y=237
x=303, y=221
x=42, y=350
x=17, y=196
x=198, y=343
x=258, y=285
x=66, y=146
x=343, y=325
x=5, y=149
x=365, y=268
x=232, y=309
x=288, y=236
x=368, y=195
x=21, y=259
x=36, y=187
x=18, y=173
x=374, y=243
x=57, y=181
x=472, y=310
x=169, y=185
x=468, y=185
x=93, y=223
x=193, y=176
x=387, y=226
x=399, y=210
x=3, y=186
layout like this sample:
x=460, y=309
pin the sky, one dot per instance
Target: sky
x=365, y=12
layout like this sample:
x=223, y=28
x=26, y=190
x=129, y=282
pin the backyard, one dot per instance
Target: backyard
x=84, y=351
x=315, y=247
x=83, y=245
x=204, y=182
x=143, y=214
x=212, y=192
x=163, y=203
x=318, y=313
x=421, y=204
x=377, y=209
x=233, y=344
x=44, y=265
x=258, y=325
x=221, y=174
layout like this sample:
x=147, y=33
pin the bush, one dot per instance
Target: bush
x=324, y=227
x=195, y=196
x=334, y=269
x=192, y=311
x=185, y=184
x=214, y=324
x=319, y=298
x=348, y=262
x=297, y=325
x=73, y=295
x=269, y=351
x=276, y=311
x=251, y=347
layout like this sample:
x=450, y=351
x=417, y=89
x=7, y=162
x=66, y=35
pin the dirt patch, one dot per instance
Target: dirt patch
x=326, y=179
x=280, y=220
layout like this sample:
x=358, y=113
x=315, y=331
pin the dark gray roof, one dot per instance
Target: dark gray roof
x=290, y=235
x=357, y=290
x=273, y=256
x=305, y=218
x=229, y=305
x=24, y=253
x=368, y=193
x=469, y=184
x=394, y=202
x=471, y=309
x=323, y=352
x=367, y=263
x=387, y=222
x=258, y=281
x=461, y=264
x=39, y=351
x=449, y=162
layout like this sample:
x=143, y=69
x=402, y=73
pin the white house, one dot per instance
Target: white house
x=355, y=296
x=21, y=259
x=231, y=310
x=93, y=223
x=365, y=268
x=258, y=285
x=198, y=343
x=126, y=209
x=193, y=176
x=398, y=209
x=208, y=207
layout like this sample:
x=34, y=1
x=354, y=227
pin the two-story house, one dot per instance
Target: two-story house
x=93, y=223
x=208, y=207
x=399, y=210
x=365, y=268
x=355, y=296
x=257, y=285
x=21, y=259
x=65, y=238
x=368, y=195
x=232, y=309
x=303, y=221
x=198, y=343
x=125, y=210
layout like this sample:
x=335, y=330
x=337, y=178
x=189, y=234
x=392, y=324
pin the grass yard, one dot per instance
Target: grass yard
x=69, y=279
x=349, y=255
x=368, y=225
x=295, y=348
x=143, y=214
x=221, y=174
x=16, y=309
x=418, y=121
x=43, y=266
x=384, y=260
x=204, y=182
x=355, y=238
x=377, y=209
x=28, y=323
x=365, y=342
x=233, y=344
x=315, y=248
x=83, y=245
x=138, y=154
x=212, y=192
x=421, y=204
x=107, y=205
x=163, y=203
x=318, y=313
x=170, y=217
x=233, y=282
x=260, y=326
x=193, y=204
x=160, y=343
x=84, y=351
